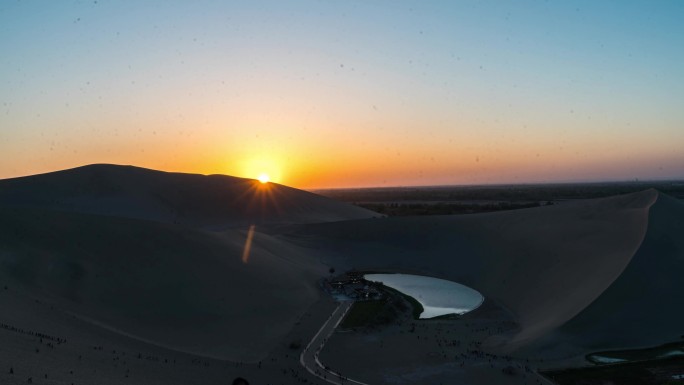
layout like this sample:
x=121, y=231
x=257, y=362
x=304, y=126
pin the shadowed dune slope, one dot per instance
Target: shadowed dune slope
x=103, y=242
x=545, y=265
x=643, y=307
x=167, y=284
x=214, y=201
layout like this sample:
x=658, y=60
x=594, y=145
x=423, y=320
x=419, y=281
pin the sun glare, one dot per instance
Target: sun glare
x=263, y=178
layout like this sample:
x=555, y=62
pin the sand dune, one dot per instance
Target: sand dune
x=169, y=285
x=643, y=306
x=128, y=250
x=214, y=201
x=545, y=265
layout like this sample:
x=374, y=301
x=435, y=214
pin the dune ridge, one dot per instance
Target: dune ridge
x=642, y=307
x=207, y=201
x=129, y=249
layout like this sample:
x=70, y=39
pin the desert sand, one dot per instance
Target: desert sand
x=213, y=201
x=113, y=274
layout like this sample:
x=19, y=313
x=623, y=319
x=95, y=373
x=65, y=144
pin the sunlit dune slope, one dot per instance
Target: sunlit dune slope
x=545, y=265
x=213, y=201
x=166, y=284
x=643, y=307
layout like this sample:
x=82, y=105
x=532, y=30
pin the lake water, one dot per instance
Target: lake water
x=606, y=359
x=437, y=296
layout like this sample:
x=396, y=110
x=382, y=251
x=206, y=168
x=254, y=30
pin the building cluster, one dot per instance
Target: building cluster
x=353, y=286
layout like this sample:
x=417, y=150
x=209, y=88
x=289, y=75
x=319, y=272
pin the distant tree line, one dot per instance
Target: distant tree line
x=407, y=209
x=510, y=193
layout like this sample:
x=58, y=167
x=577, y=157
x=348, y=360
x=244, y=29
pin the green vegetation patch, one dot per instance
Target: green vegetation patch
x=415, y=305
x=653, y=372
x=451, y=316
x=394, y=209
x=391, y=292
x=362, y=314
x=674, y=348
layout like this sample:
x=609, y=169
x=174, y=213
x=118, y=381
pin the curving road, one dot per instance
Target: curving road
x=309, y=357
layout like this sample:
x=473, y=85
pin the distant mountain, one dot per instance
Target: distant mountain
x=213, y=201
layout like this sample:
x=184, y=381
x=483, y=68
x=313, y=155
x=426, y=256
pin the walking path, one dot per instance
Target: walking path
x=309, y=357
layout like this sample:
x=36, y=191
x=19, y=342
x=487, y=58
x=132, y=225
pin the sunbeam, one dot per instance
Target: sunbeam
x=248, y=245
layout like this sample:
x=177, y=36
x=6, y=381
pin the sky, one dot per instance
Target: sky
x=326, y=94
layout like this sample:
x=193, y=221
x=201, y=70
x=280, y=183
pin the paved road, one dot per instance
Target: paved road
x=309, y=357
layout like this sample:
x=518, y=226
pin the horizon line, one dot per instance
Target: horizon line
x=566, y=182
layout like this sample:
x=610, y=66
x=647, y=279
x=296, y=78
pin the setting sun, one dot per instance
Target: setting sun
x=263, y=178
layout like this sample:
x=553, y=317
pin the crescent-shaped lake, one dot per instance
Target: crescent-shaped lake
x=437, y=296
